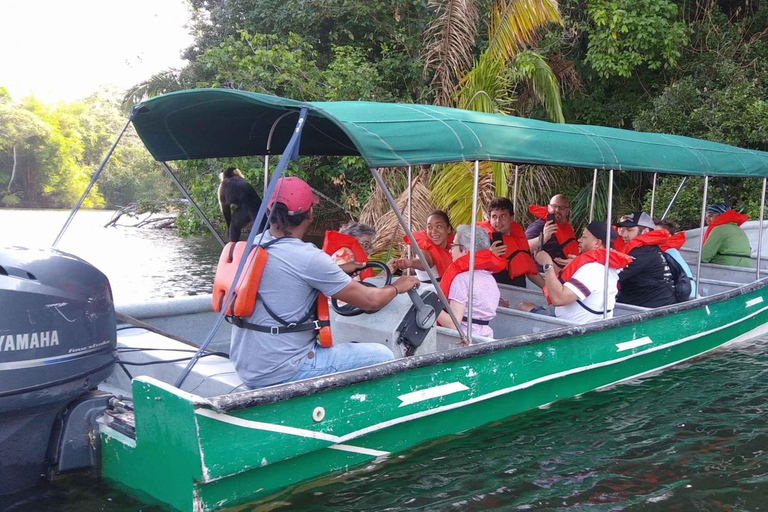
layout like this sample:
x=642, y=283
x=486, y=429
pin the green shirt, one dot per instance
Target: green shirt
x=727, y=244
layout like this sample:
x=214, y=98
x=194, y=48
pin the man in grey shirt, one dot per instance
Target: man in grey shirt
x=294, y=273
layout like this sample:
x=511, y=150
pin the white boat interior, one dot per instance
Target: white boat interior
x=146, y=350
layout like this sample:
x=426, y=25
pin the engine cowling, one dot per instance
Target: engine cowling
x=57, y=342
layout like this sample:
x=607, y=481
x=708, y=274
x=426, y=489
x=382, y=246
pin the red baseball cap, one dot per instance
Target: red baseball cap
x=295, y=194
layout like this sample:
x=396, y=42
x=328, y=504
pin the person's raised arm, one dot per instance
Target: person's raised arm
x=403, y=263
x=458, y=310
x=559, y=295
x=371, y=298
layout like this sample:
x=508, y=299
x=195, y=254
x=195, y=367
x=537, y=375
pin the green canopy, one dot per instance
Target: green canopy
x=216, y=123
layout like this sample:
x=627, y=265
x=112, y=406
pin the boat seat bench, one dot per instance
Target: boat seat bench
x=213, y=375
x=515, y=295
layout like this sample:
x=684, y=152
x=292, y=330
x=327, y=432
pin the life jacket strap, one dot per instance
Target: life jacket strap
x=476, y=322
x=515, y=253
x=732, y=255
x=274, y=316
x=569, y=240
x=599, y=313
x=274, y=330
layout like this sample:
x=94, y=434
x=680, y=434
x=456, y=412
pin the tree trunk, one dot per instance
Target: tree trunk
x=13, y=171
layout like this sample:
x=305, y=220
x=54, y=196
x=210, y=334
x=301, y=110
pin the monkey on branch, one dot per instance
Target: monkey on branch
x=235, y=190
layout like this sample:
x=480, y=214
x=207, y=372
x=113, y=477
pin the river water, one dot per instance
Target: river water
x=693, y=438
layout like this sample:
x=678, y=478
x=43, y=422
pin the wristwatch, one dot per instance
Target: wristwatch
x=547, y=266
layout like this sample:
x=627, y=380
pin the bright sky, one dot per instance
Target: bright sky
x=66, y=49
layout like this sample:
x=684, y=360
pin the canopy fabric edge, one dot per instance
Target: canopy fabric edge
x=222, y=123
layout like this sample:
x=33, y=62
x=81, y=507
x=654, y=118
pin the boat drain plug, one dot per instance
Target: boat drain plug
x=318, y=414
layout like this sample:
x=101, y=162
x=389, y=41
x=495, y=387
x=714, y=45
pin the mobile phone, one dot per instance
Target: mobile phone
x=550, y=217
x=496, y=236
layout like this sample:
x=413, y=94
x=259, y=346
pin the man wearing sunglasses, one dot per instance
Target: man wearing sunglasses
x=551, y=232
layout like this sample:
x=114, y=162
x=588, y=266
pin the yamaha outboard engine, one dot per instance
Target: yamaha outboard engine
x=57, y=343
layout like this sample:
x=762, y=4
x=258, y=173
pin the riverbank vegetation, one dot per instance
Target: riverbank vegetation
x=686, y=67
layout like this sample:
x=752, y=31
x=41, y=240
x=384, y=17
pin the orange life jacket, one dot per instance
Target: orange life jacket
x=564, y=234
x=726, y=218
x=518, y=255
x=616, y=260
x=675, y=241
x=655, y=237
x=441, y=257
x=245, y=294
x=334, y=241
x=484, y=260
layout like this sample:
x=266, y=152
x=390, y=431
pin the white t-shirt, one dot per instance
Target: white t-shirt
x=587, y=284
x=422, y=275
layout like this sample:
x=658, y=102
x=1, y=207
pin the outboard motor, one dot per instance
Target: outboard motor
x=57, y=343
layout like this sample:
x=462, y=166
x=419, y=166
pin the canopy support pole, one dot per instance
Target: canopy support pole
x=184, y=192
x=608, y=243
x=592, y=202
x=472, y=238
x=701, y=232
x=416, y=249
x=653, y=192
x=760, y=233
x=266, y=152
x=93, y=180
x=674, y=198
x=291, y=152
x=410, y=212
x=514, y=194
x=266, y=175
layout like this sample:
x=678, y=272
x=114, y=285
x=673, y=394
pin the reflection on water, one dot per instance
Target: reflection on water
x=693, y=438
x=140, y=263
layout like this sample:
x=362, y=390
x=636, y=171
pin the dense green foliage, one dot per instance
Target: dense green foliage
x=49, y=153
x=688, y=67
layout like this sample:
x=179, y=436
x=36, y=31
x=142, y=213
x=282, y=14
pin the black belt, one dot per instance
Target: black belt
x=315, y=325
x=477, y=322
x=734, y=255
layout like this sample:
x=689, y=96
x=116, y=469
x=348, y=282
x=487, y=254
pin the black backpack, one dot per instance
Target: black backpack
x=680, y=279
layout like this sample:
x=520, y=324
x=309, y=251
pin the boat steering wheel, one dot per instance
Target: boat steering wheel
x=349, y=309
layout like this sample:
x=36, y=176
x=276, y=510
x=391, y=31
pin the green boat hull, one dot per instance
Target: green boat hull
x=202, y=454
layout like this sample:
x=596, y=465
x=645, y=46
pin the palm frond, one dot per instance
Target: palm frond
x=514, y=25
x=449, y=41
x=452, y=188
x=530, y=67
x=159, y=83
x=389, y=233
x=485, y=88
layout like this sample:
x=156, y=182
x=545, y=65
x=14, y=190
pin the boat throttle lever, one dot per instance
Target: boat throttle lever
x=425, y=314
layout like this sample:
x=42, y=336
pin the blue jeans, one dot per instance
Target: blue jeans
x=344, y=356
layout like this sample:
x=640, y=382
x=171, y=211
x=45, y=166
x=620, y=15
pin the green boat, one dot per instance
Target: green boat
x=211, y=443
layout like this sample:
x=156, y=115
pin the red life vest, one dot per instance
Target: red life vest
x=334, y=241
x=518, y=255
x=726, y=218
x=618, y=243
x=655, y=237
x=246, y=290
x=564, y=235
x=440, y=257
x=616, y=260
x=484, y=260
x=675, y=241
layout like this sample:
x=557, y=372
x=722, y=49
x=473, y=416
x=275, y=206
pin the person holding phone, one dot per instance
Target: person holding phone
x=509, y=242
x=551, y=232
